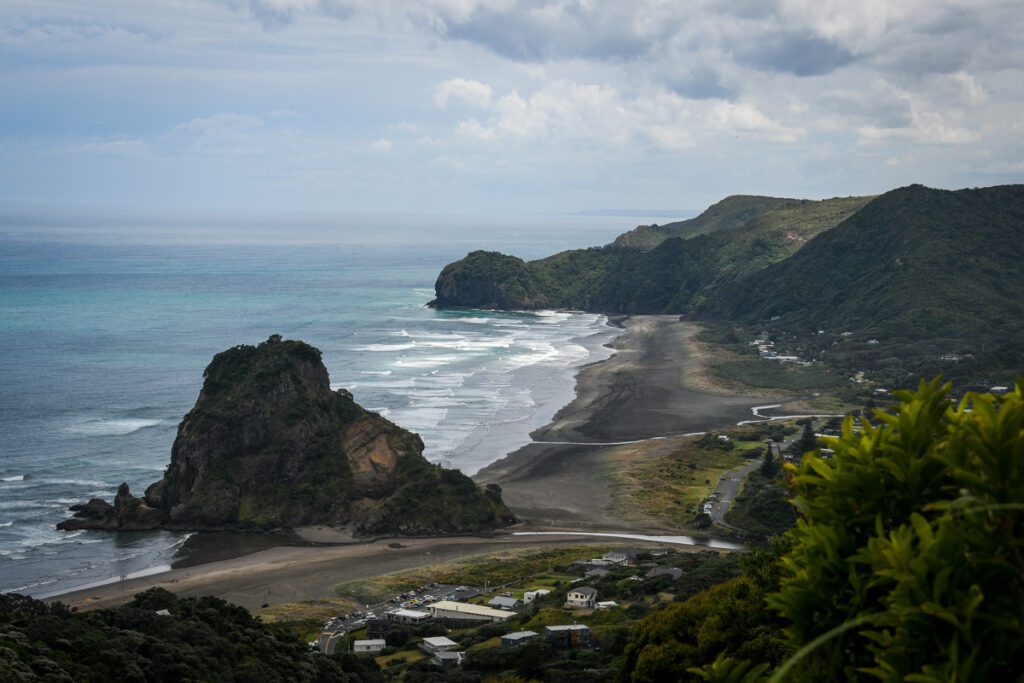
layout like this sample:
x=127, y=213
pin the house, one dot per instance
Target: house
x=674, y=572
x=448, y=659
x=451, y=611
x=504, y=602
x=436, y=644
x=409, y=616
x=595, y=573
x=607, y=604
x=617, y=558
x=530, y=596
x=584, y=596
x=367, y=646
x=568, y=635
x=517, y=638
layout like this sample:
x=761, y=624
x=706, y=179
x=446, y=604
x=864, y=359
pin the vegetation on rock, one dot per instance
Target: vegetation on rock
x=269, y=444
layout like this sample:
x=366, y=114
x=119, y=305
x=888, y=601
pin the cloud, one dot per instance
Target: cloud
x=700, y=82
x=602, y=117
x=122, y=148
x=801, y=54
x=473, y=93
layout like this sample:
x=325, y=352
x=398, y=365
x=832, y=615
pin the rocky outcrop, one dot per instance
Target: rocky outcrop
x=489, y=279
x=270, y=445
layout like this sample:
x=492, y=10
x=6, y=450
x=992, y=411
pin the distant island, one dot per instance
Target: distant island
x=269, y=445
x=914, y=282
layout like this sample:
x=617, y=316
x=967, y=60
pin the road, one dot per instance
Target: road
x=727, y=489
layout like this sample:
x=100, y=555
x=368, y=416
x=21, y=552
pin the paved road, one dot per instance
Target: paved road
x=728, y=487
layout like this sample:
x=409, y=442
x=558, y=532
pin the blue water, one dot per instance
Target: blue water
x=104, y=342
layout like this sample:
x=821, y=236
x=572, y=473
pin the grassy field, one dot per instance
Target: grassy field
x=665, y=480
x=531, y=567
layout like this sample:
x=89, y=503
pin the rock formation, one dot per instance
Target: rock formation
x=270, y=445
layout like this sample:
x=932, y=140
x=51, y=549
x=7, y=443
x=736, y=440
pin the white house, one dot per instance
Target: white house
x=408, y=616
x=461, y=611
x=436, y=644
x=368, y=646
x=530, y=596
x=584, y=596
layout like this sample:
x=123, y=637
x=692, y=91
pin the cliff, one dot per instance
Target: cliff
x=270, y=445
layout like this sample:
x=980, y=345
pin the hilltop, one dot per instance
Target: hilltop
x=651, y=269
x=914, y=281
x=270, y=445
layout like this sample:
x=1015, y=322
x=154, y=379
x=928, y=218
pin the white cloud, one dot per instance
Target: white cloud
x=468, y=91
x=382, y=145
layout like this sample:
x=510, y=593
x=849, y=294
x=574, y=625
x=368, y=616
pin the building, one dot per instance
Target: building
x=437, y=644
x=517, y=638
x=584, y=596
x=618, y=558
x=608, y=604
x=674, y=572
x=504, y=602
x=596, y=573
x=367, y=646
x=451, y=611
x=448, y=659
x=568, y=635
x=530, y=596
x=409, y=616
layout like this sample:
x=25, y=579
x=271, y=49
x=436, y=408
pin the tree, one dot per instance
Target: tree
x=807, y=441
x=910, y=550
x=769, y=467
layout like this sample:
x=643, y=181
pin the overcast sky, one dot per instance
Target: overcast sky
x=502, y=106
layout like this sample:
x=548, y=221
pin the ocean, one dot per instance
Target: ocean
x=108, y=323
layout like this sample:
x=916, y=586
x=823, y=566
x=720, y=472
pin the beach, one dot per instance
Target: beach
x=637, y=394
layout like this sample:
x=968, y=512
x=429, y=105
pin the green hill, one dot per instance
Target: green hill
x=667, y=269
x=919, y=273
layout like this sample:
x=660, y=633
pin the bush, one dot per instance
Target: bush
x=912, y=542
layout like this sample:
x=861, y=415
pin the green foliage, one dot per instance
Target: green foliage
x=762, y=509
x=202, y=639
x=925, y=272
x=910, y=549
x=726, y=620
x=806, y=443
x=769, y=466
x=674, y=269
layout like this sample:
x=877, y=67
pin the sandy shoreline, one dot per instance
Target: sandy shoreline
x=638, y=393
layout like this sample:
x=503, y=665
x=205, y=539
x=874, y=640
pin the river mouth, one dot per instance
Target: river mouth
x=713, y=543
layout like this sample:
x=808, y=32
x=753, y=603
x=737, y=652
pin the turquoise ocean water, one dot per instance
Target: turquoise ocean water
x=104, y=336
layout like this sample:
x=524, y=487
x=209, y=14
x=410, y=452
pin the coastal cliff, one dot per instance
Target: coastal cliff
x=270, y=445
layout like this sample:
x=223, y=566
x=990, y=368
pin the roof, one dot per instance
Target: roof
x=519, y=635
x=450, y=655
x=466, y=608
x=439, y=641
x=410, y=613
x=370, y=643
x=674, y=572
x=567, y=627
x=503, y=601
x=584, y=590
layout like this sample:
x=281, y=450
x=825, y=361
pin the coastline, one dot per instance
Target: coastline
x=638, y=393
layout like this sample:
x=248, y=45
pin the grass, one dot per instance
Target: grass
x=318, y=610
x=666, y=480
x=512, y=566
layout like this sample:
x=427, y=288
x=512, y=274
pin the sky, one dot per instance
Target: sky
x=507, y=107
